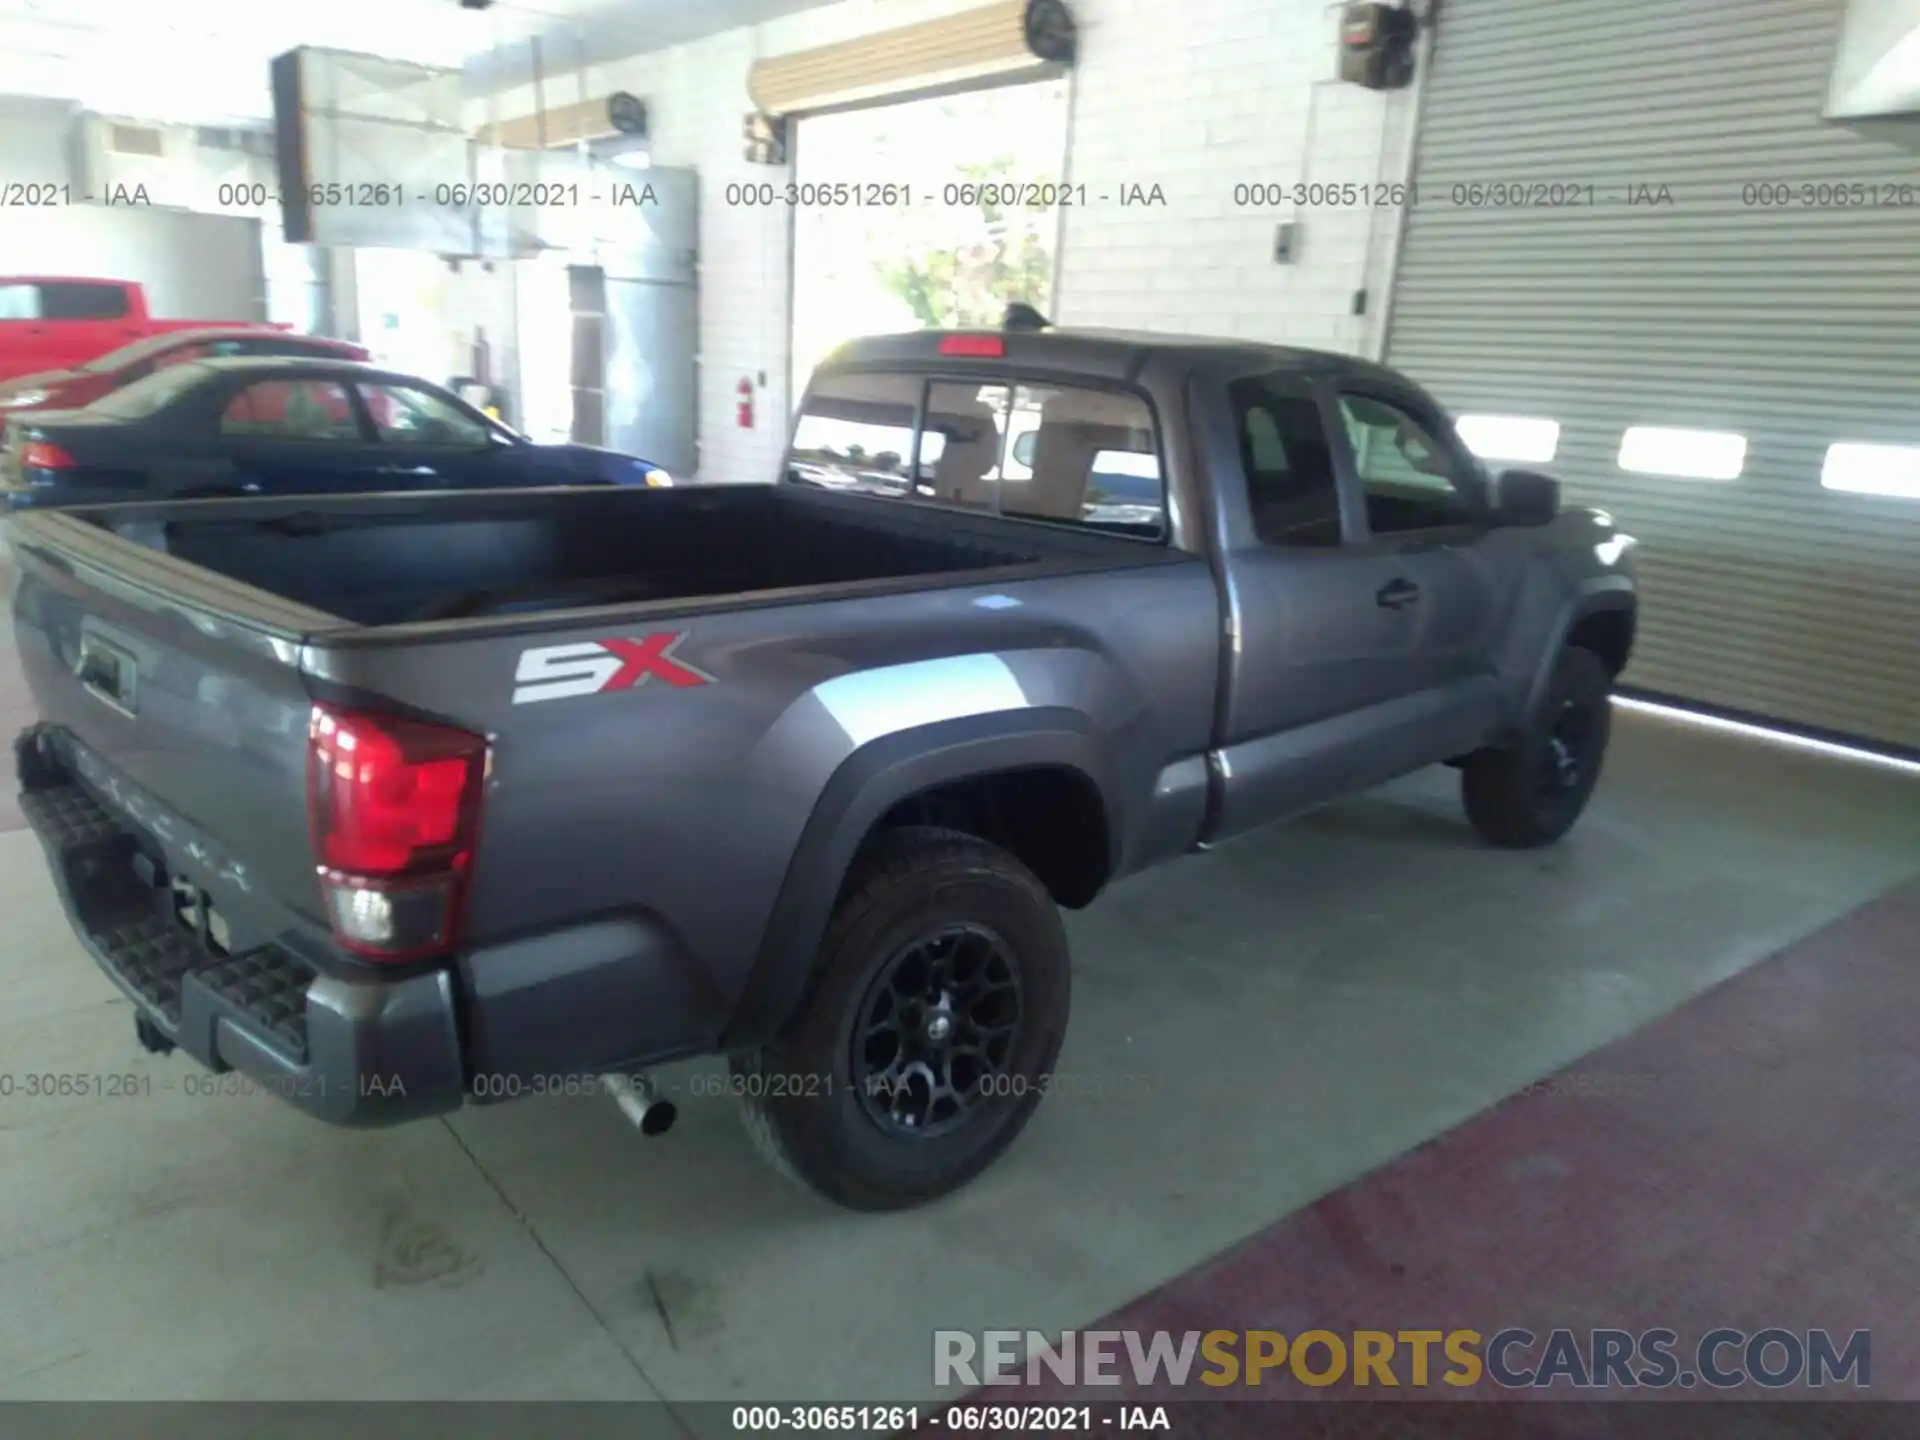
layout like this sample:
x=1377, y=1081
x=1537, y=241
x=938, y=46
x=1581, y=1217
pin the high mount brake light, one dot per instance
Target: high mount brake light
x=394, y=807
x=984, y=347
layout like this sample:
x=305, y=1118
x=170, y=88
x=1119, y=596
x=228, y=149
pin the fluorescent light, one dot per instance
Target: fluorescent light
x=1509, y=437
x=1684, y=454
x=1830, y=748
x=1873, y=469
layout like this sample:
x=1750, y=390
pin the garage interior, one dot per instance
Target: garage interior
x=1356, y=1071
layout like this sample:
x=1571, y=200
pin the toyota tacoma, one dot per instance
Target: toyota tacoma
x=400, y=802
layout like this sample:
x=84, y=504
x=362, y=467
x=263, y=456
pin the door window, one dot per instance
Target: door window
x=408, y=415
x=291, y=410
x=1412, y=481
x=1293, y=493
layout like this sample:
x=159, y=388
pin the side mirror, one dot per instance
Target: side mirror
x=1523, y=497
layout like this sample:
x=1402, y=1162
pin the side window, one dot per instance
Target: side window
x=856, y=433
x=407, y=415
x=184, y=355
x=19, y=302
x=292, y=410
x=70, y=300
x=1411, y=480
x=1089, y=457
x=1292, y=491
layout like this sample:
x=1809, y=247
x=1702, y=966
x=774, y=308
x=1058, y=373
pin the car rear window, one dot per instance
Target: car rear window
x=1074, y=455
x=152, y=393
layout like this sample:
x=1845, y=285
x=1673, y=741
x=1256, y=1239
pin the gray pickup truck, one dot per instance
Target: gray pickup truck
x=394, y=803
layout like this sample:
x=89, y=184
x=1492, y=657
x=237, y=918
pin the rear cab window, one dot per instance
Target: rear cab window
x=82, y=300
x=1062, y=454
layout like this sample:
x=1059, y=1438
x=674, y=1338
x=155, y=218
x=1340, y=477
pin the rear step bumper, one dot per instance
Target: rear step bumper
x=373, y=1053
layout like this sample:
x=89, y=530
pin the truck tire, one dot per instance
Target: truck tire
x=922, y=1046
x=1531, y=792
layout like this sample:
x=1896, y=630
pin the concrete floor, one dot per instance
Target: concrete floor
x=1252, y=1028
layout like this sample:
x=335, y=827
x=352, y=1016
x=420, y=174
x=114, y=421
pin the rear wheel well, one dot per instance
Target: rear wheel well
x=1051, y=818
x=1608, y=634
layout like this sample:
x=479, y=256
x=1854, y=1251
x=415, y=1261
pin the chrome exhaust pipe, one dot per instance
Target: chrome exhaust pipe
x=639, y=1100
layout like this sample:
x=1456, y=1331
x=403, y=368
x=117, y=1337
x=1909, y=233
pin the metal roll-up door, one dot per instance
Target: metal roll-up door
x=1793, y=324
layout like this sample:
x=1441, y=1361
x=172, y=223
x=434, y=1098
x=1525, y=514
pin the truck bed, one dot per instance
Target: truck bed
x=396, y=560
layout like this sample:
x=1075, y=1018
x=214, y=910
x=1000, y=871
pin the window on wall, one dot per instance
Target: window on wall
x=1516, y=439
x=1683, y=454
x=1863, y=469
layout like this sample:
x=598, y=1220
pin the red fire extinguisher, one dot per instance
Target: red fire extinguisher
x=745, y=391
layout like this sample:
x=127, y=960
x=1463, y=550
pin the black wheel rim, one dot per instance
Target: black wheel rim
x=1570, y=750
x=936, y=1033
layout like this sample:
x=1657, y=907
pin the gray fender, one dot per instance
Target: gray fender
x=862, y=789
x=1595, y=594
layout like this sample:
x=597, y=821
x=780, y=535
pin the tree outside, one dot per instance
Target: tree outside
x=935, y=255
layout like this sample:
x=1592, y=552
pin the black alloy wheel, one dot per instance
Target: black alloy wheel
x=937, y=1031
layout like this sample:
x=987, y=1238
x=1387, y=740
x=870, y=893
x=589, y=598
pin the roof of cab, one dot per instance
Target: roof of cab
x=1091, y=352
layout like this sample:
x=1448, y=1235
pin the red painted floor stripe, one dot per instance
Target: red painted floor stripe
x=1750, y=1160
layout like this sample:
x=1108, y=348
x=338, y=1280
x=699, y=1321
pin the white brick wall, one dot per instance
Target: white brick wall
x=1199, y=96
x=1193, y=95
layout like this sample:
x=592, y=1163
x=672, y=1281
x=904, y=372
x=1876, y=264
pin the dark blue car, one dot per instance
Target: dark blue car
x=279, y=426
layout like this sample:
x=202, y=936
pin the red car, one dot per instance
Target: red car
x=82, y=385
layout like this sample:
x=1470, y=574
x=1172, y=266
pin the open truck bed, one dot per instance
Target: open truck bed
x=396, y=560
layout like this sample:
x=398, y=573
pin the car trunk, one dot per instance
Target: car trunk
x=389, y=562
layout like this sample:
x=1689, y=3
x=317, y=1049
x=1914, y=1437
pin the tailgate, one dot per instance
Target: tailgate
x=179, y=696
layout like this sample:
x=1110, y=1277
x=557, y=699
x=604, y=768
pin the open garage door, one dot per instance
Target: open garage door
x=929, y=212
x=1638, y=227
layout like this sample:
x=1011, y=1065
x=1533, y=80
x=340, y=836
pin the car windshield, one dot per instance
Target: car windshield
x=153, y=393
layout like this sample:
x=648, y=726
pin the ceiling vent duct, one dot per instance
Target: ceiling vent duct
x=372, y=152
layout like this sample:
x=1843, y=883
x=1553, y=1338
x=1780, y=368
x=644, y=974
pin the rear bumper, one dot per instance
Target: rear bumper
x=349, y=1052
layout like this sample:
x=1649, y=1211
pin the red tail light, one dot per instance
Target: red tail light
x=986, y=347
x=44, y=455
x=395, y=807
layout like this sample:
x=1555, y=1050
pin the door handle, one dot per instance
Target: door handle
x=1397, y=594
x=106, y=672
